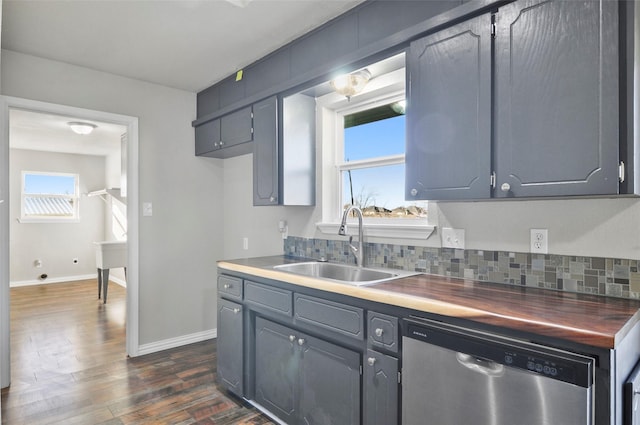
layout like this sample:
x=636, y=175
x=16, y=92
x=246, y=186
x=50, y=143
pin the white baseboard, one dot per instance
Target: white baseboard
x=166, y=344
x=16, y=284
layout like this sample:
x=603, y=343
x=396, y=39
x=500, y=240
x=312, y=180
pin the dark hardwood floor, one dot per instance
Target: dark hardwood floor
x=69, y=367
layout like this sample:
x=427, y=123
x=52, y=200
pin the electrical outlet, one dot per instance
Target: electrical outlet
x=539, y=241
x=245, y=243
x=452, y=238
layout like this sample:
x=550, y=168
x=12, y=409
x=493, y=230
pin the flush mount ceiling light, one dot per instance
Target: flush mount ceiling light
x=351, y=84
x=399, y=106
x=81, y=127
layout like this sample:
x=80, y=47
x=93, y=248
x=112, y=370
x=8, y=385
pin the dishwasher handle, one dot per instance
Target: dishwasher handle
x=479, y=365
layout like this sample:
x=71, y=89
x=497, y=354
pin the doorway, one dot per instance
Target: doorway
x=130, y=181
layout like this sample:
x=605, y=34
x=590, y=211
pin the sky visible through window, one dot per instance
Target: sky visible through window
x=49, y=184
x=383, y=186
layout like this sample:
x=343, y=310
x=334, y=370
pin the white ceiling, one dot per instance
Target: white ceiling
x=51, y=133
x=185, y=44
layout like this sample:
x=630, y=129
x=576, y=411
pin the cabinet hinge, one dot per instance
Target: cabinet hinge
x=493, y=29
x=621, y=172
x=360, y=370
x=492, y=180
x=251, y=130
x=399, y=377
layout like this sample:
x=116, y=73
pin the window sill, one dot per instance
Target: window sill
x=48, y=220
x=381, y=230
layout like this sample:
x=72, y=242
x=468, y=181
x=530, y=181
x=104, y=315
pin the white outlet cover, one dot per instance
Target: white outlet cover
x=539, y=241
x=452, y=238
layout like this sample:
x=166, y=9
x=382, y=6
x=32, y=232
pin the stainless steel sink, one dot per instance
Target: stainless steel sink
x=358, y=276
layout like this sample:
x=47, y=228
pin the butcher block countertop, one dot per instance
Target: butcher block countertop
x=587, y=319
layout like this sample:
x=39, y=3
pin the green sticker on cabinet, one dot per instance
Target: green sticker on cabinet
x=239, y=75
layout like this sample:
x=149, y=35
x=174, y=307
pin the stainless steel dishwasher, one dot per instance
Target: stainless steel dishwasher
x=454, y=376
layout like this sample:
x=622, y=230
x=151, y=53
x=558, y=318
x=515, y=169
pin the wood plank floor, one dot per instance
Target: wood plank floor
x=69, y=367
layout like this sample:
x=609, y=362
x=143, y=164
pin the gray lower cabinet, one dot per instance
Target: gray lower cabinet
x=380, y=389
x=303, y=379
x=546, y=124
x=230, y=346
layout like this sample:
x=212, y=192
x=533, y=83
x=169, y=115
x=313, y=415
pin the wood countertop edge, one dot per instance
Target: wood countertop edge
x=428, y=305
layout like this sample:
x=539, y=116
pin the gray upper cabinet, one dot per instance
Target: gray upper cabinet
x=208, y=138
x=548, y=123
x=556, y=127
x=231, y=90
x=236, y=128
x=265, y=152
x=284, y=151
x=324, y=47
x=227, y=136
x=448, y=152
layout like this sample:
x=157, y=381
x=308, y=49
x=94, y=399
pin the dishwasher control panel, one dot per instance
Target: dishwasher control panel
x=481, y=347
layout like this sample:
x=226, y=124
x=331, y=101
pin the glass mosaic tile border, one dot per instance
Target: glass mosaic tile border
x=592, y=275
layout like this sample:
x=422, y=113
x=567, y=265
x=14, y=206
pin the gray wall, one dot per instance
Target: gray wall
x=181, y=241
x=55, y=244
x=581, y=227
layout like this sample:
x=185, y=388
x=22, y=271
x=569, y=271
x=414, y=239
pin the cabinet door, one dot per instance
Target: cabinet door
x=329, y=383
x=265, y=152
x=229, y=345
x=449, y=113
x=380, y=389
x=207, y=137
x=277, y=366
x=556, y=69
x=236, y=128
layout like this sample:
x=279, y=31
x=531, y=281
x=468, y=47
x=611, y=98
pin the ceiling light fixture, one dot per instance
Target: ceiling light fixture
x=351, y=84
x=83, y=128
x=399, y=107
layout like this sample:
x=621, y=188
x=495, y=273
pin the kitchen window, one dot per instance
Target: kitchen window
x=49, y=197
x=372, y=168
x=363, y=146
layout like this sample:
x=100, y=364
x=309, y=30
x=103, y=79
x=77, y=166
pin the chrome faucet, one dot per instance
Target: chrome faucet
x=357, y=251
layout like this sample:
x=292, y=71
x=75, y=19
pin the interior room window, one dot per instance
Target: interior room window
x=49, y=197
x=372, y=170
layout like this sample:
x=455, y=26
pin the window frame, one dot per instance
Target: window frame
x=331, y=120
x=75, y=197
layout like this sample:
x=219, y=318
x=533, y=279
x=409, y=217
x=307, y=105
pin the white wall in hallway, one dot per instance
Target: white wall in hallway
x=56, y=244
x=179, y=244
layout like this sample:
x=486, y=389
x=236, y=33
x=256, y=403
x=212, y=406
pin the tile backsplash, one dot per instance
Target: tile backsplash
x=615, y=277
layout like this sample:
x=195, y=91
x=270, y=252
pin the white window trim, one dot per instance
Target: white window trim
x=42, y=219
x=329, y=118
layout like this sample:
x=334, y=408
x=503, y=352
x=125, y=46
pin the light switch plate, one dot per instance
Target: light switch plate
x=147, y=209
x=452, y=238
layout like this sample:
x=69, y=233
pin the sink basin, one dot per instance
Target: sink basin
x=111, y=254
x=358, y=276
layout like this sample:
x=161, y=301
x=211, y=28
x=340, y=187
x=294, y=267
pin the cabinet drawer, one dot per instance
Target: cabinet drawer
x=341, y=318
x=382, y=331
x=274, y=299
x=230, y=287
